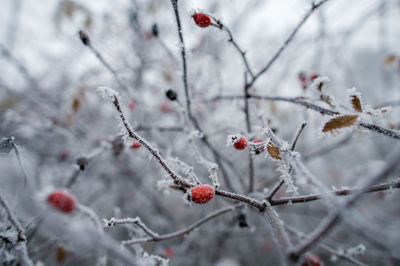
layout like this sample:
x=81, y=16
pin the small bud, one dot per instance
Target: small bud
x=84, y=37
x=172, y=95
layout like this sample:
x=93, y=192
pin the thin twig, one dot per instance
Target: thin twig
x=328, y=223
x=288, y=40
x=242, y=53
x=185, y=230
x=341, y=192
x=325, y=247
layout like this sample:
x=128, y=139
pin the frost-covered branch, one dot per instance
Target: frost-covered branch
x=112, y=96
x=340, y=192
x=314, y=7
x=333, y=218
x=20, y=239
x=186, y=230
x=87, y=42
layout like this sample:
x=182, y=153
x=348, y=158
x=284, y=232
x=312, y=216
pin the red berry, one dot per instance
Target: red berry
x=240, y=144
x=201, y=20
x=259, y=149
x=311, y=260
x=201, y=194
x=131, y=105
x=313, y=76
x=168, y=252
x=165, y=108
x=61, y=201
x=135, y=145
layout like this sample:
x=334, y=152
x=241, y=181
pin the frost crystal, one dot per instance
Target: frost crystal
x=6, y=145
x=285, y=170
x=319, y=83
x=357, y=250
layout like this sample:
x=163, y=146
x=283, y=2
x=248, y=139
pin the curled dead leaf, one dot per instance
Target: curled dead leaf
x=273, y=151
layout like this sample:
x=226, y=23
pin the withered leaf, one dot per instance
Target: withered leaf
x=76, y=104
x=338, y=122
x=273, y=151
x=389, y=59
x=356, y=103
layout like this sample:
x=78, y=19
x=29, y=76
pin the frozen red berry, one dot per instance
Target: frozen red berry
x=131, y=105
x=135, y=145
x=313, y=76
x=168, y=252
x=201, y=20
x=165, y=108
x=311, y=260
x=259, y=149
x=61, y=201
x=240, y=144
x=201, y=194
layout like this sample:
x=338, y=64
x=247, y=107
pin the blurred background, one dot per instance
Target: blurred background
x=49, y=103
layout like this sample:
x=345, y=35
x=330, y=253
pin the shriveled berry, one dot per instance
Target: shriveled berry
x=84, y=37
x=172, y=95
x=135, y=145
x=154, y=30
x=201, y=20
x=311, y=260
x=61, y=201
x=240, y=144
x=201, y=194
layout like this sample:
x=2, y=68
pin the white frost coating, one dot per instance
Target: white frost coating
x=319, y=82
x=107, y=93
x=356, y=251
x=184, y=169
x=286, y=176
x=231, y=139
x=148, y=260
x=212, y=168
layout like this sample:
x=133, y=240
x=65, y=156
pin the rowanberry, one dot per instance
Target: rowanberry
x=135, y=145
x=311, y=260
x=201, y=20
x=61, y=201
x=240, y=144
x=201, y=194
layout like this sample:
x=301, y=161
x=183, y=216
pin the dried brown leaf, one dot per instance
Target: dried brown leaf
x=273, y=151
x=389, y=59
x=356, y=103
x=338, y=122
